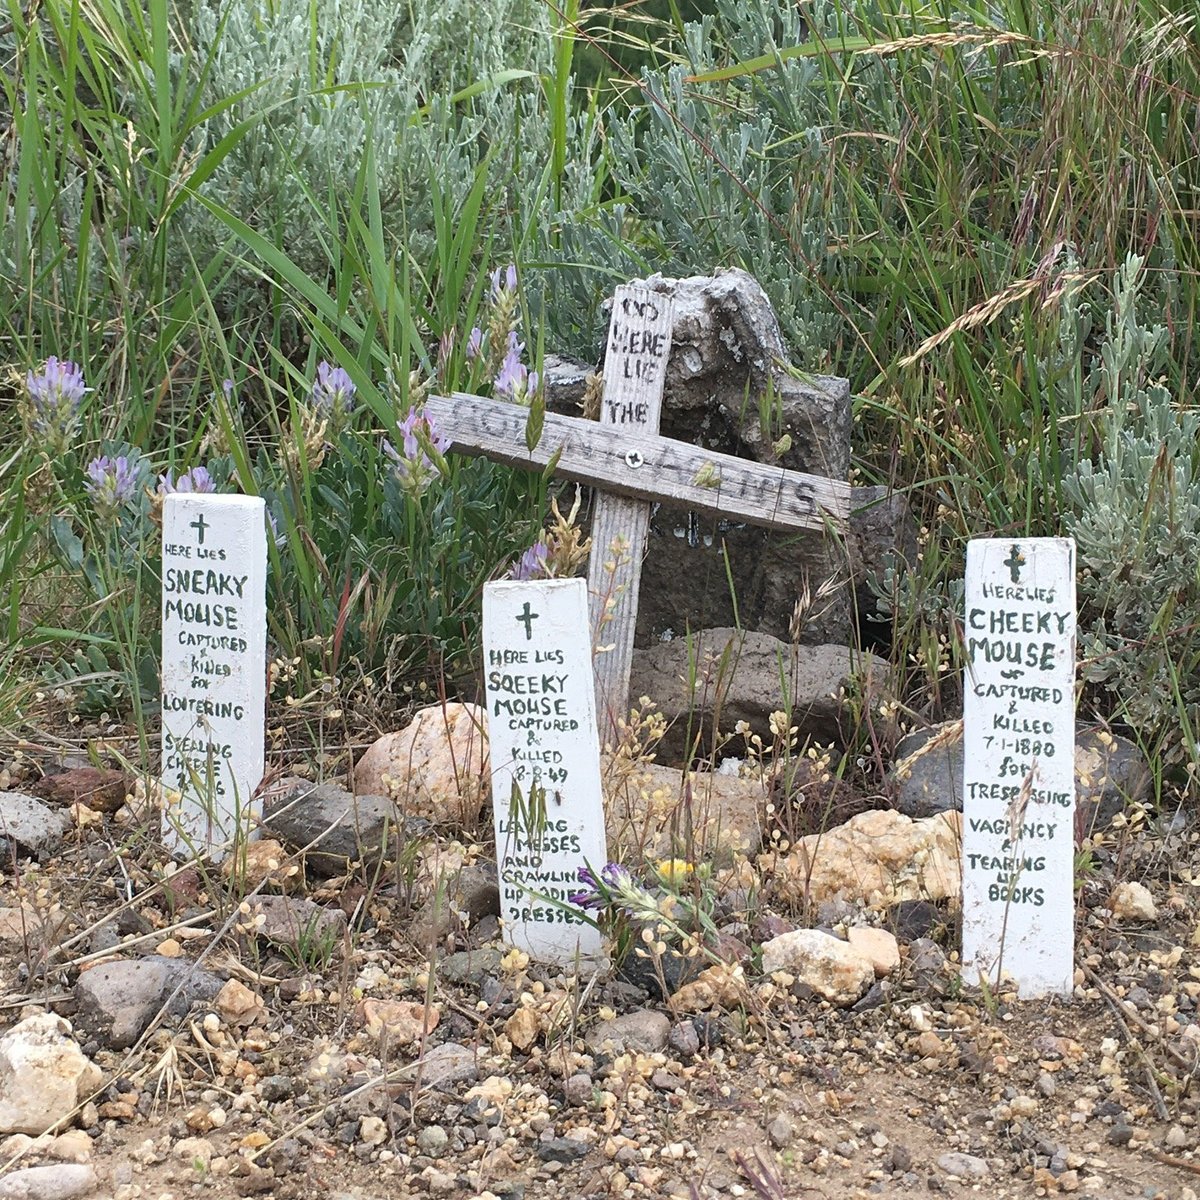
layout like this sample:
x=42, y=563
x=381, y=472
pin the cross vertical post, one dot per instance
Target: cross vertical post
x=639, y=341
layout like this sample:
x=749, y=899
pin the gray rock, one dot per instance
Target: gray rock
x=342, y=828
x=276, y=1087
x=446, y=1066
x=643, y=1031
x=683, y=1040
x=118, y=1000
x=965, y=1166
x=1110, y=773
x=469, y=966
x=781, y=1131
x=29, y=826
x=926, y=967
x=299, y=924
x=433, y=1140
x=738, y=677
x=562, y=1150
x=60, y=1181
x=579, y=1089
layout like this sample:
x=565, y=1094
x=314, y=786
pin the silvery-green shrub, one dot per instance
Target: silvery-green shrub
x=1134, y=511
x=338, y=75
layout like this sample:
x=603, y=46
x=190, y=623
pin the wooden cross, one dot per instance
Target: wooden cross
x=633, y=467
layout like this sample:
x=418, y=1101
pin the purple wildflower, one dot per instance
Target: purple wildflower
x=475, y=344
x=111, y=482
x=615, y=876
x=515, y=381
x=227, y=388
x=196, y=480
x=504, y=282
x=54, y=396
x=333, y=392
x=413, y=466
x=533, y=564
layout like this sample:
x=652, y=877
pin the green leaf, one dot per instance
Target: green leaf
x=536, y=422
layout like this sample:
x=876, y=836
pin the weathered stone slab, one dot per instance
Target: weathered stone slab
x=739, y=676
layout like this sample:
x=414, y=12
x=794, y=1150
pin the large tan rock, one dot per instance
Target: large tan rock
x=44, y=1075
x=834, y=969
x=652, y=809
x=879, y=858
x=435, y=768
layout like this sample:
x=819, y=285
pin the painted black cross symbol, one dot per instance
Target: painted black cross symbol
x=200, y=525
x=527, y=618
x=1014, y=562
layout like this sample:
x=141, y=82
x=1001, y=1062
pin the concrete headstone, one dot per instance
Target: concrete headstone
x=214, y=643
x=545, y=761
x=1019, y=763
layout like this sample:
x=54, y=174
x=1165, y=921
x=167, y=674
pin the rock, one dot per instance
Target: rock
x=298, y=924
x=25, y=925
x=926, y=964
x=118, y=1000
x=781, y=1131
x=911, y=919
x=401, y=1022
x=832, y=968
x=562, y=1150
x=1132, y=901
x=73, y=1146
x=433, y=1140
x=445, y=1066
x=469, y=966
x=44, y=1075
x=644, y=1031
x=741, y=676
x=658, y=975
x=523, y=1028
x=61, y=1181
x=711, y=818
x=683, y=1040
x=341, y=828
x=965, y=1166
x=879, y=858
x=579, y=1089
x=29, y=826
x=100, y=788
x=435, y=768
x=237, y=1005
x=196, y=1152
x=721, y=986
x=1110, y=773
x=276, y=1087
x=264, y=863
x=728, y=367
x=877, y=946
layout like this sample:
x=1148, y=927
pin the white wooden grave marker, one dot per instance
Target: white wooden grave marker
x=214, y=643
x=1019, y=763
x=545, y=762
x=635, y=369
x=623, y=456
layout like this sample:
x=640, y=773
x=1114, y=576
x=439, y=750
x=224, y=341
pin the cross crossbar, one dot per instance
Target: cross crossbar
x=650, y=468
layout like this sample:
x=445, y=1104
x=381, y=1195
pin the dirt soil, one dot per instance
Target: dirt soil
x=929, y=1086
